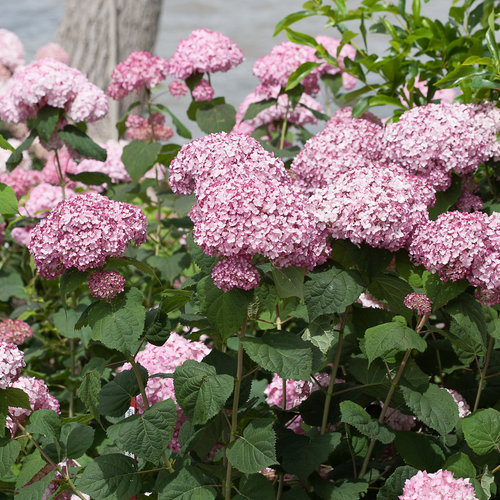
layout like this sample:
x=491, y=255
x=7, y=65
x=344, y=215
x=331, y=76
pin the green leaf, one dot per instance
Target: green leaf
x=139, y=156
x=446, y=199
x=187, y=485
x=255, y=449
x=345, y=491
x=216, y=118
x=255, y=486
x=174, y=299
x=300, y=73
x=283, y=353
x=291, y=19
x=65, y=321
x=482, y=430
x=8, y=200
x=393, y=290
x=36, y=490
x=129, y=261
x=224, y=310
x=419, y=451
x=119, y=324
x=82, y=143
x=321, y=335
x=114, y=397
x=301, y=38
x=9, y=450
x=442, y=292
x=395, y=482
x=16, y=157
x=12, y=286
x=4, y=144
x=89, y=391
x=385, y=100
x=256, y=107
x=331, y=291
x=355, y=415
x=461, y=466
x=171, y=267
x=90, y=178
x=70, y=281
x=435, y=407
x=76, y=439
x=16, y=397
x=46, y=121
x=181, y=129
x=202, y=260
x=45, y=423
x=32, y=464
x=289, y=282
x=200, y=392
x=386, y=340
x=146, y=435
x=303, y=453
x=110, y=474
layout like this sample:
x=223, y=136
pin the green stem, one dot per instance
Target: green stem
x=281, y=481
x=61, y=177
x=234, y=414
x=483, y=373
x=72, y=371
x=284, y=125
x=139, y=383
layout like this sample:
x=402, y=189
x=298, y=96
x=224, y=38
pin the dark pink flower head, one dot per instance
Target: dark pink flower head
x=50, y=82
x=15, y=331
x=344, y=144
x=83, y=232
x=236, y=271
x=141, y=129
x=377, y=204
x=140, y=69
x=440, y=484
x=178, y=88
x=204, y=51
x=53, y=51
x=203, y=91
x=11, y=362
x=418, y=302
x=106, y=284
x=11, y=50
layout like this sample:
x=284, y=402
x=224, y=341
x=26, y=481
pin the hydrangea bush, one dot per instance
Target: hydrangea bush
x=302, y=303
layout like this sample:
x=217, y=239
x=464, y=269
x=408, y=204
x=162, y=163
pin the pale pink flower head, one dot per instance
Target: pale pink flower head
x=83, y=232
x=178, y=88
x=11, y=50
x=437, y=485
x=140, y=69
x=418, y=302
x=106, y=284
x=21, y=235
x=203, y=91
x=204, y=51
x=11, y=362
x=50, y=172
x=52, y=83
x=443, y=95
x=15, y=331
x=236, y=271
x=53, y=51
x=144, y=129
x=21, y=180
x=463, y=407
x=42, y=199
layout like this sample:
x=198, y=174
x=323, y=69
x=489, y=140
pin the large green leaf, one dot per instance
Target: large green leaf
x=82, y=143
x=482, y=430
x=395, y=482
x=187, y=485
x=36, y=490
x=146, y=435
x=435, y=407
x=45, y=423
x=419, y=451
x=283, y=353
x=76, y=439
x=9, y=450
x=212, y=118
x=461, y=466
x=139, y=156
x=255, y=449
x=89, y=390
x=8, y=200
x=255, y=486
x=289, y=282
x=119, y=324
x=200, y=392
x=441, y=292
x=393, y=290
x=12, y=286
x=331, y=291
x=46, y=121
x=256, y=107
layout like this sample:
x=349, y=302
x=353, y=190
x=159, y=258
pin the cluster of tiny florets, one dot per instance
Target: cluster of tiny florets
x=236, y=271
x=106, y=284
x=20, y=180
x=463, y=407
x=144, y=129
x=14, y=331
x=48, y=82
x=83, y=232
x=11, y=50
x=42, y=199
x=53, y=51
x=11, y=362
x=204, y=51
x=437, y=485
x=418, y=302
x=140, y=69
x=203, y=91
x=178, y=88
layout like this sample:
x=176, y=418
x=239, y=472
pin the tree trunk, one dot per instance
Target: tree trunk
x=98, y=34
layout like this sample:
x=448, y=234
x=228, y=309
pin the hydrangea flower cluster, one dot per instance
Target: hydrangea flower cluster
x=14, y=331
x=399, y=421
x=375, y=204
x=141, y=129
x=106, y=284
x=48, y=82
x=344, y=144
x=463, y=407
x=462, y=246
x=437, y=485
x=42, y=199
x=203, y=91
x=83, y=232
x=11, y=50
x=236, y=272
x=418, y=302
x=11, y=362
x=178, y=88
x=53, y=51
x=20, y=180
x=204, y=51
x=140, y=69
x=50, y=172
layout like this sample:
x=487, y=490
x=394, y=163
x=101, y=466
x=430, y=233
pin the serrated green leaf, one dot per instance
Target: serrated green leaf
x=89, y=391
x=146, y=435
x=289, y=282
x=419, y=451
x=76, y=439
x=441, y=292
x=187, y=485
x=12, y=286
x=139, y=156
x=35, y=491
x=346, y=491
x=65, y=321
x=31, y=465
x=216, y=118
x=200, y=392
x=255, y=449
x=45, y=423
x=256, y=107
x=461, y=466
x=9, y=450
x=281, y=352
x=8, y=200
x=82, y=143
x=331, y=291
x=70, y=281
x=255, y=486
x=112, y=474
x=392, y=289
x=395, y=482
x=355, y=415
x=16, y=397
x=435, y=407
x=482, y=430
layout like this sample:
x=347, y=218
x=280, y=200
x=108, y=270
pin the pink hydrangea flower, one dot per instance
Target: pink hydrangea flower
x=204, y=51
x=444, y=95
x=140, y=69
x=11, y=362
x=141, y=129
x=203, y=91
x=42, y=199
x=437, y=485
x=235, y=272
x=463, y=407
x=53, y=51
x=418, y=302
x=20, y=180
x=178, y=88
x=83, y=232
x=11, y=50
x=21, y=235
x=50, y=172
x=14, y=331
x=106, y=284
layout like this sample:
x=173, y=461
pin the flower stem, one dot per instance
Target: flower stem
x=145, y=401
x=283, y=126
x=483, y=373
x=61, y=176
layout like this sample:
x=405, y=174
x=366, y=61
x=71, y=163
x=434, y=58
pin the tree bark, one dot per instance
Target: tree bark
x=98, y=34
